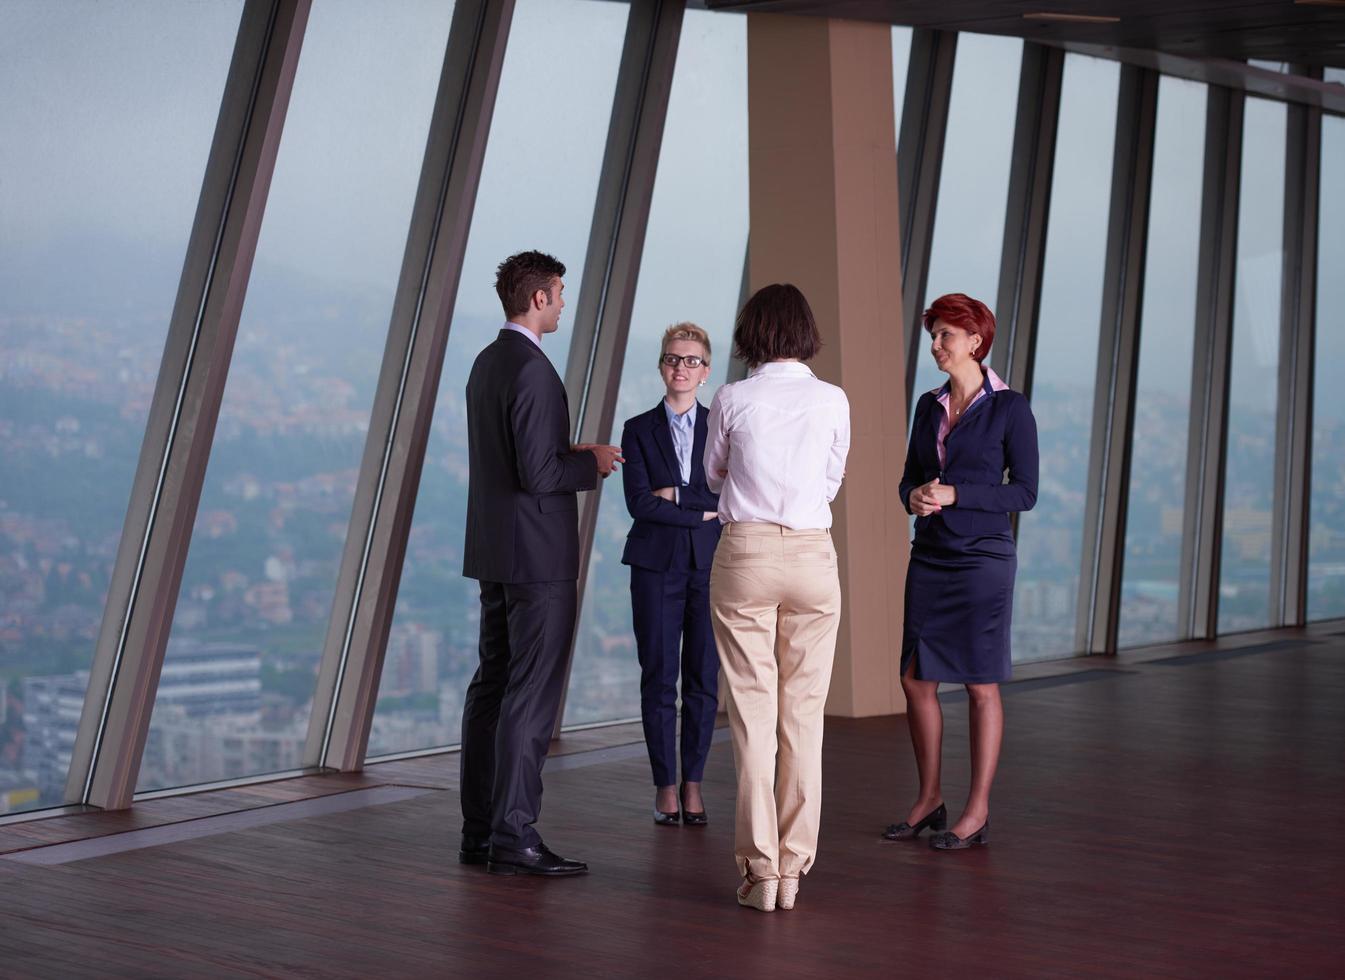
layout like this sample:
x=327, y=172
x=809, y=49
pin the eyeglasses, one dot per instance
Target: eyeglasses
x=690, y=360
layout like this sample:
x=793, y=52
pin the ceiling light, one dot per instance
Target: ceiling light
x=1060, y=18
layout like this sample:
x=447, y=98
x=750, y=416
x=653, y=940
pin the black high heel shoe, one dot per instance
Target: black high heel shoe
x=689, y=818
x=949, y=841
x=936, y=819
x=663, y=819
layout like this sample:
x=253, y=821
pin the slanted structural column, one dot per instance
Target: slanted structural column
x=823, y=167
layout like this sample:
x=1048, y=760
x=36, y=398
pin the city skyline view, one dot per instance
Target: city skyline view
x=96, y=209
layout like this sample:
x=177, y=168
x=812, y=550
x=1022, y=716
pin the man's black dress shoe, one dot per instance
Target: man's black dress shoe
x=935, y=819
x=537, y=860
x=474, y=850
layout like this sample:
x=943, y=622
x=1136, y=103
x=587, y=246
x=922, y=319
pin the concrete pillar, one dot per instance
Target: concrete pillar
x=823, y=166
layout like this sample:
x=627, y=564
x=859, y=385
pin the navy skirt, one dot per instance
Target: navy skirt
x=959, y=604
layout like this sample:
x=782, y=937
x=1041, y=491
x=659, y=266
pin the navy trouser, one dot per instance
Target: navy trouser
x=671, y=613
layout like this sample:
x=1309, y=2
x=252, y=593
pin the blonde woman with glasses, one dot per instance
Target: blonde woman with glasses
x=669, y=551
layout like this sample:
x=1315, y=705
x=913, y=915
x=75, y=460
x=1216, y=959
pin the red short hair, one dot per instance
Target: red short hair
x=971, y=315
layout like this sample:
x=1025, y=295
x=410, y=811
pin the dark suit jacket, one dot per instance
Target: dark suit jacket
x=651, y=462
x=998, y=433
x=522, y=512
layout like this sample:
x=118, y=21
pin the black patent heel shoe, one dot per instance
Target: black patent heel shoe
x=689, y=818
x=949, y=841
x=936, y=819
x=666, y=819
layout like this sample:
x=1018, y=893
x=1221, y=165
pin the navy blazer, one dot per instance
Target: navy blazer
x=651, y=462
x=998, y=433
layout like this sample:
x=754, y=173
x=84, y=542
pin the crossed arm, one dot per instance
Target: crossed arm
x=646, y=503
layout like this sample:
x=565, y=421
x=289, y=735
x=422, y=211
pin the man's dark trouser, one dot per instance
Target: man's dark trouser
x=511, y=707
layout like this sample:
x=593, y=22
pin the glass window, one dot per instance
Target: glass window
x=534, y=194
x=691, y=270
x=901, y=61
x=257, y=589
x=107, y=114
x=1050, y=536
x=1249, y=475
x=1157, y=494
x=1326, y=543
x=974, y=180
x=1336, y=75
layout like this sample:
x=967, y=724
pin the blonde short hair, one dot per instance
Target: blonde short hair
x=685, y=331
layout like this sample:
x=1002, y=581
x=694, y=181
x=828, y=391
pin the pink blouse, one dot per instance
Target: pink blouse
x=946, y=425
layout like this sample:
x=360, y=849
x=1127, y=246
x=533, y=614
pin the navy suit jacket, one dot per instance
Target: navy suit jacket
x=522, y=511
x=651, y=462
x=998, y=433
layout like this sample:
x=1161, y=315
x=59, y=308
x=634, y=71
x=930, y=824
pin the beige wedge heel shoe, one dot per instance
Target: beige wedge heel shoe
x=759, y=894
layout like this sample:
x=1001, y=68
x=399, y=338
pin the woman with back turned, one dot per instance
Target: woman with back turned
x=959, y=589
x=776, y=455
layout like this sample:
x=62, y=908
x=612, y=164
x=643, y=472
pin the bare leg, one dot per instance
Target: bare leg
x=666, y=800
x=924, y=717
x=987, y=733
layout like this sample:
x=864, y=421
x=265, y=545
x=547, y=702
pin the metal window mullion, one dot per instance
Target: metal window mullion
x=1293, y=421
x=924, y=125
x=170, y=473
x=1105, y=505
x=616, y=244
x=1027, y=214
x=737, y=369
x=408, y=383
x=1207, y=438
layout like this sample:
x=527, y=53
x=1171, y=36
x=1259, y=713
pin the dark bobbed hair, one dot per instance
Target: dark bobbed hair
x=520, y=276
x=971, y=315
x=775, y=324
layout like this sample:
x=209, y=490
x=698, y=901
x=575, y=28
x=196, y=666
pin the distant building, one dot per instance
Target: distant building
x=18, y=792
x=412, y=662
x=211, y=678
x=51, y=710
x=200, y=681
x=182, y=751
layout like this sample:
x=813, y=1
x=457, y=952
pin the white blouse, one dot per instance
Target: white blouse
x=780, y=436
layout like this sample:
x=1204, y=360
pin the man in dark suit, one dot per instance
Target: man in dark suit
x=522, y=545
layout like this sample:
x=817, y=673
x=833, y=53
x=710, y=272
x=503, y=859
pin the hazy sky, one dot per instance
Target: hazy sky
x=107, y=110
x=107, y=133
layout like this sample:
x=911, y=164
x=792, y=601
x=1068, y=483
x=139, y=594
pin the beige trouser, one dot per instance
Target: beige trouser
x=775, y=601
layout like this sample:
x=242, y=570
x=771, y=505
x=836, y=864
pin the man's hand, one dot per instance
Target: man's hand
x=667, y=493
x=607, y=456
x=931, y=498
x=709, y=515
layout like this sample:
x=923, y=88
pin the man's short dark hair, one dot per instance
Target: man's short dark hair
x=776, y=324
x=521, y=275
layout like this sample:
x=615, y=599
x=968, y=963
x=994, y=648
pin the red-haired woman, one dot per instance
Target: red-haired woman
x=966, y=435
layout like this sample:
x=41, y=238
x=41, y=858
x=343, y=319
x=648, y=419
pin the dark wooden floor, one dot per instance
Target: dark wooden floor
x=1154, y=817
